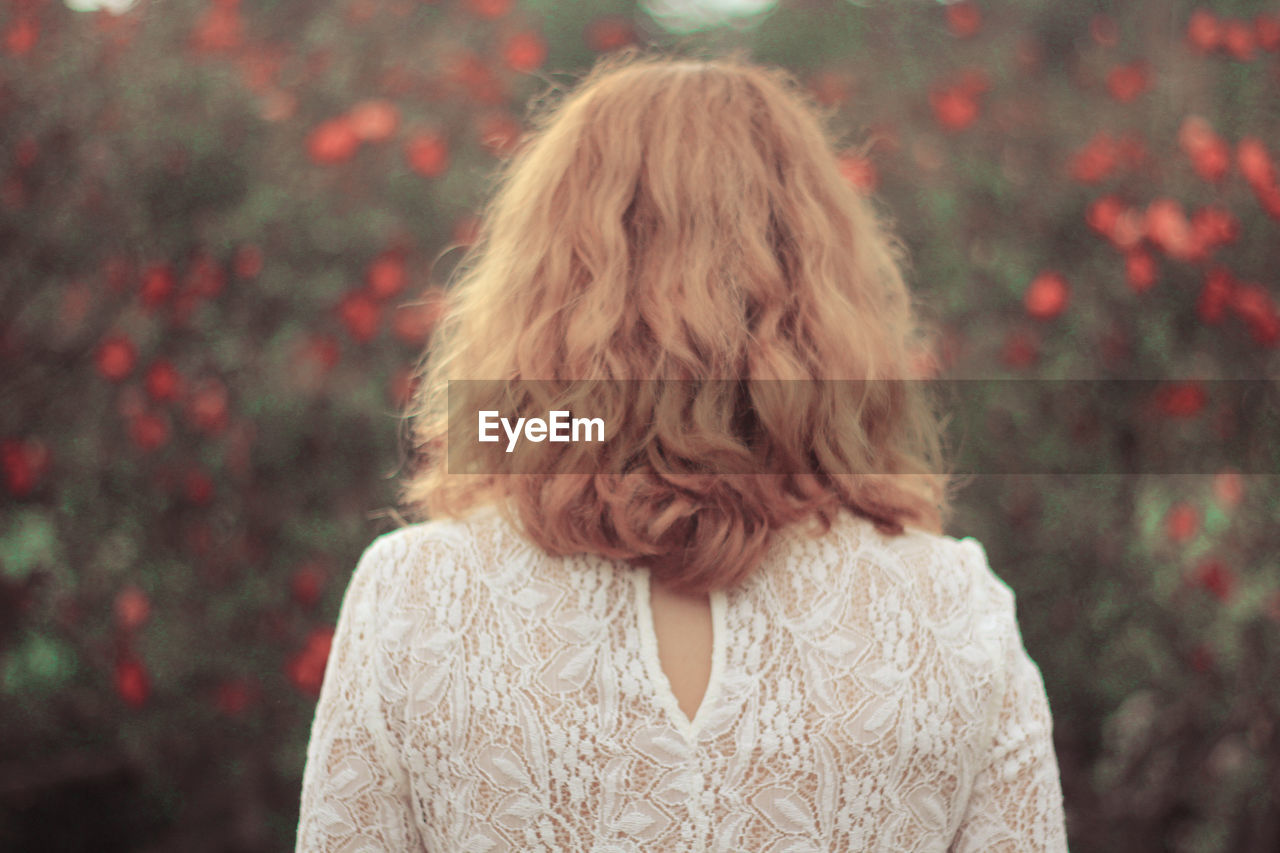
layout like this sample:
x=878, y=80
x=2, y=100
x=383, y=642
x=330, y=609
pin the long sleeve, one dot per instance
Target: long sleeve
x=355, y=794
x=1016, y=801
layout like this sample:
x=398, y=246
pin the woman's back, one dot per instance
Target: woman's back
x=864, y=692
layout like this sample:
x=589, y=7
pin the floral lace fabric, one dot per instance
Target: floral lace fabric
x=867, y=692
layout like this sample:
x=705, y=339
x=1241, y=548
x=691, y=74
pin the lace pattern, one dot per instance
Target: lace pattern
x=867, y=693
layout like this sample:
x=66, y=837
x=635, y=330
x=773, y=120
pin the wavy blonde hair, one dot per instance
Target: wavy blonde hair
x=683, y=219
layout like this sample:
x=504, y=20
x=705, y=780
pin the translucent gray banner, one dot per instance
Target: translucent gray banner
x=991, y=426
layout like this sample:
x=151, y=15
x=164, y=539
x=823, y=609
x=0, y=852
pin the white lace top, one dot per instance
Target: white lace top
x=866, y=693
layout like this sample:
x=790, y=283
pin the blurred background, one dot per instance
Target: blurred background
x=224, y=229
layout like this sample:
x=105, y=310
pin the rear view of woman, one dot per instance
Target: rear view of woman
x=734, y=624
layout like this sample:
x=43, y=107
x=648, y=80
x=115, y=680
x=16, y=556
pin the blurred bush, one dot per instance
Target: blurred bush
x=224, y=230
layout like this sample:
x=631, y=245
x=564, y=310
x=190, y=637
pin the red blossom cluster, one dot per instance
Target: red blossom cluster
x=524, y=51
x=963, y=18
x=1181, y=399
x=1260, y=172
x=146, y=409
x=219, y=29
x=131, y=679
x=859, y=171
x=21, y=34
x=1213, y=576
x=306, y=668
x=1127, y=82
x=1209, y=153
x=337, y=139
x=955, y=104
x=24, y=462
x=1237, y=37
x=468, y=71
x=1103, y=154
x=1250, y=302
x=1046, y=297
x=307, y=583
x=608, y=32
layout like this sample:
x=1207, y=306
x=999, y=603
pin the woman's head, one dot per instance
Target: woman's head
x=684, y=220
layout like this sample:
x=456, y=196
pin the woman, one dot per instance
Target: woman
x=734, y=624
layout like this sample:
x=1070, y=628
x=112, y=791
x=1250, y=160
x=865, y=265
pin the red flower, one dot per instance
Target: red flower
x=1181, y=399
x=954, y=109
x=1215, y=577
x=198, y=487
x=373, y=120
x=1103, y=214
x=360, y=315
x=385, y=277
x=208, y=409
x=1219, y=285
x=1228, y=488
x=1209, y=153
x=1213, y=227
x=1020, y=349
x=427, y=153
x=1096, y=160
x=163, y=382
x=1255, y=163
x=1140, y=270
x=1254, y=305
x=333, y=141
x=1203, y=31
x=1126, y=82
x=469, y=71
x=1269, y=199
x=307, y=583
x=132, y=608
x=115, y=358
x=608, y=33
x=1112, y=218
x=859, y=171
x=1238, y=39
x=499, y=133
x=963, y=18
x=24, y=462
x=149, y=430
x=1182, y=523
x=1047, y=295
x=524, y=51
x=306, y=669
x=22, y=35
x=1266, y=30
x=323, y=351
x=157, y=285
x=219, y=29
x=1166, y=225
x=412, y=323
x=132, y=682
x=489, y=8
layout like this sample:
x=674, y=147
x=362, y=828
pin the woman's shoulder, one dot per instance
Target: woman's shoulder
x=940, y=570
x=445, y=534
